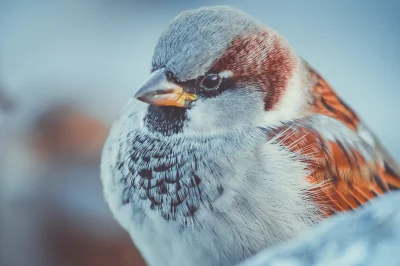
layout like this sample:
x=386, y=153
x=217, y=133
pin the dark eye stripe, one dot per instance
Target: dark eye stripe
x=196, y=86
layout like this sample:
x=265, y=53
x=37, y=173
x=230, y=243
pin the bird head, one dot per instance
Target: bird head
x=216, y=69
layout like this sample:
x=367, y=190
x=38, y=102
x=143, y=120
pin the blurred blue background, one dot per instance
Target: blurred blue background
x=73, y=64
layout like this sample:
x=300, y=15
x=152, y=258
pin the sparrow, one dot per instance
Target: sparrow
x=234, y=144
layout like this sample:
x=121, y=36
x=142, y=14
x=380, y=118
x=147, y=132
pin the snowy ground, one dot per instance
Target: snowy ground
x=368, y=237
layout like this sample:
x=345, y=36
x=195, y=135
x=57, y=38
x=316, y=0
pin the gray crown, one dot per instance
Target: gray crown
x=197, y=38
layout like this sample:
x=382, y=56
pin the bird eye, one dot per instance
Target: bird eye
x=211, y=82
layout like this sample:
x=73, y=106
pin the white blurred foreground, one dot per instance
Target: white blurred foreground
x=367, y=237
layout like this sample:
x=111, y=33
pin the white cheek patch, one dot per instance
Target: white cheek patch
x=227, y=112
x=206, y=117
x=202, y=116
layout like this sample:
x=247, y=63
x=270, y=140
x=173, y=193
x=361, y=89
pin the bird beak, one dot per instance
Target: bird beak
x=157, y=90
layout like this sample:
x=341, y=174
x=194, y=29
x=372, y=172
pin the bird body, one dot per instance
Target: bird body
x=238, y=191
x=235, y=145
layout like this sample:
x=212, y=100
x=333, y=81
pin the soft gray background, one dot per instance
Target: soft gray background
x=95, y=54
x=98, y=52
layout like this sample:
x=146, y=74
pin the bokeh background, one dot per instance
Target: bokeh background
x=67, y=68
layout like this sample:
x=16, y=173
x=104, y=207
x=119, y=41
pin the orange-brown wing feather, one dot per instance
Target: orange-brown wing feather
x=328, y=103
x=349, y=177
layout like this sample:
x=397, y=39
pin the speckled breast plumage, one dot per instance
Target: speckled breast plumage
x=165, y=175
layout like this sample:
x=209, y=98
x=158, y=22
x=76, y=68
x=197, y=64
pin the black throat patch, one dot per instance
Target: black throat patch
x=167, y=120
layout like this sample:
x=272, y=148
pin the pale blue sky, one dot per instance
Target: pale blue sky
x=86, y=50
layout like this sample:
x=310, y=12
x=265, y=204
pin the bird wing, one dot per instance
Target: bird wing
x=345, y=157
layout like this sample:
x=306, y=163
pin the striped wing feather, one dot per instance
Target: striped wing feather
x=352, y=172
